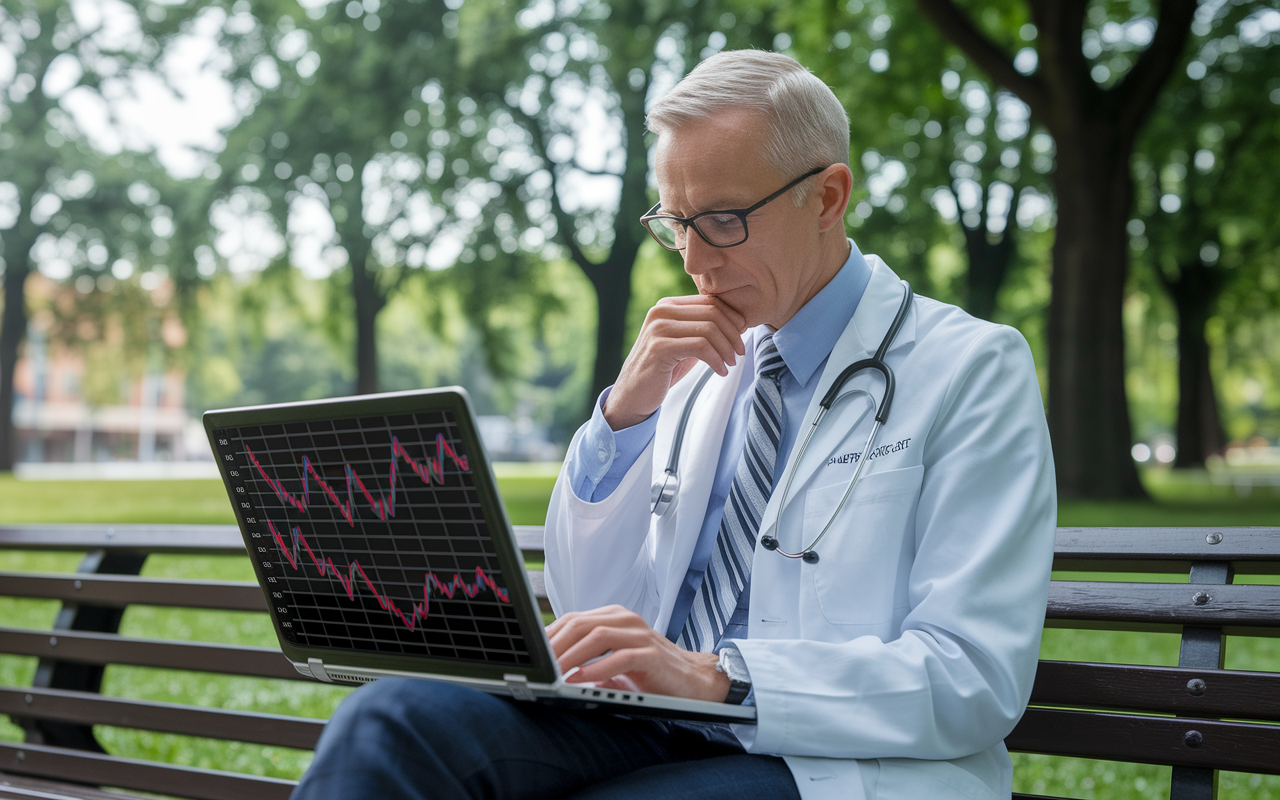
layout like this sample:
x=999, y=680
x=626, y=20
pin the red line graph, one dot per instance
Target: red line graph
x=385, y=506
x=420, y=611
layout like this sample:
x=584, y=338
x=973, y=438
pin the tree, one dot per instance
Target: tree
x=1092, y=93
x=62, y=203
x=567, y=84
x=1201, y=218
x=937, y=143
x=354, y=120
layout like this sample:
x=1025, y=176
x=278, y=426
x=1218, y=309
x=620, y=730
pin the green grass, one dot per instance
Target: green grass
x=1182, y=499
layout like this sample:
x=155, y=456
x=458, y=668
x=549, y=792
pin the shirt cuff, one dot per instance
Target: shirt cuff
x=603, y=456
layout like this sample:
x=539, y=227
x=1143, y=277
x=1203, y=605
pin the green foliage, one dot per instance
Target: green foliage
x=947, y=158
x=263, y=340
x=270, y=337
x=1198, y=232
x=356, y=120
x=658, y=273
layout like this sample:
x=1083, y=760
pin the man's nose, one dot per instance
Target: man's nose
x=699, y=256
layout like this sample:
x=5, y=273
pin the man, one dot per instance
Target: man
x=891, y=660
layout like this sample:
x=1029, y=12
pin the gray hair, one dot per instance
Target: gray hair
x=806, y=126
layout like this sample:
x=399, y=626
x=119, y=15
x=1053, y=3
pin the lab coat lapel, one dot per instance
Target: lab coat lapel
x=861, y=337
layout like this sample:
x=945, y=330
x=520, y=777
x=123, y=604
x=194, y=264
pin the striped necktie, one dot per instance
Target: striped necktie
x=730, y=566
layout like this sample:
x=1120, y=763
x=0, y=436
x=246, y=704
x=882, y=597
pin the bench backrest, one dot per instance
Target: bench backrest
x=1108, y=711
x=1078, y=709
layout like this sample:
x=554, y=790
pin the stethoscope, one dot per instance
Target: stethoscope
x=664, y=492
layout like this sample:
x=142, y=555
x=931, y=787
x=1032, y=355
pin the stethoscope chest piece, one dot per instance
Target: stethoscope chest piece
x=770, y=543
x=664, y=493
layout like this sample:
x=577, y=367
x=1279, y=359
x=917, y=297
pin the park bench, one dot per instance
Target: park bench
x=1196, y=717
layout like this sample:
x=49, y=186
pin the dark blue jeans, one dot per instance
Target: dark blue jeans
x=413, y=739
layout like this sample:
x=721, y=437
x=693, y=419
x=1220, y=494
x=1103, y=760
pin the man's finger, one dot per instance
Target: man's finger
x=620, y=662
x=728, y=322
x=735, y=316
x=573, y=627
x=598, y=642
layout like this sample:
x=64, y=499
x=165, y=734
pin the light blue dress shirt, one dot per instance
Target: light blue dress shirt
x=604, y=456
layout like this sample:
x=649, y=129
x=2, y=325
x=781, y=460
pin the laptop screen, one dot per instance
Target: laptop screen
x=369, y=536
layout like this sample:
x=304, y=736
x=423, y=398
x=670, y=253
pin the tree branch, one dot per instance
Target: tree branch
x=599, y=173
x=957, y=27
x=564, y=223
x=1136, y=93
x=1011, y=220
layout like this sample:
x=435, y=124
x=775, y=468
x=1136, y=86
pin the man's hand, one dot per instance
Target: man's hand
x=635, y=656
x=678, y=332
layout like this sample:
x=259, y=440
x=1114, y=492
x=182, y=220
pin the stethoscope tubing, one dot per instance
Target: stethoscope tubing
x=809, y=553
x=664, y=493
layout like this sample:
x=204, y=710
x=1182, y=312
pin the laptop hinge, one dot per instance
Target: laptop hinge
x=519, y=686
x=317, y=670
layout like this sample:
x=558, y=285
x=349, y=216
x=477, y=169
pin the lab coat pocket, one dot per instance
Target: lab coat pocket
x=857, y=575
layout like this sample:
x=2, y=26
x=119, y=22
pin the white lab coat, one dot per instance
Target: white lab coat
x=895, y=666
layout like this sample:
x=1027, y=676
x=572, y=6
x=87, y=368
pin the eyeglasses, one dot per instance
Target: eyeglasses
x=717, y=228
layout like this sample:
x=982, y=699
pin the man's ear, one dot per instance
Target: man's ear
x=834, y=187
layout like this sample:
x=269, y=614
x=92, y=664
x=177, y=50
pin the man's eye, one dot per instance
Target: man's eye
x=724, y=221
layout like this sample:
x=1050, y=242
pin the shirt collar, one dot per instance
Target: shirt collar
x=806, y=340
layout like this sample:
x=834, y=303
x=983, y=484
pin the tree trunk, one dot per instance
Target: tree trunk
x=988, y=266
x=369, y=302
x=368, y=296
x=611, y=278
x=12, y=331
x=612, y=283
x=1199, y=427
x=1088, y=410
x=1094, y=129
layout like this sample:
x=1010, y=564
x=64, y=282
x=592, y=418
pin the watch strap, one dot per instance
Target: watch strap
x=738, y=691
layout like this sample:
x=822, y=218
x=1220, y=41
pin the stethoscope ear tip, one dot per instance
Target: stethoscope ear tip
x=768, y=543
x=810, y=557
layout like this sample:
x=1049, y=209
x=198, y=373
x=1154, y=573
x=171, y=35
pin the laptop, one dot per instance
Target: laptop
x=383, y=549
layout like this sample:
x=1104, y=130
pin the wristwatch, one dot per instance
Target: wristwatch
x=732, y=664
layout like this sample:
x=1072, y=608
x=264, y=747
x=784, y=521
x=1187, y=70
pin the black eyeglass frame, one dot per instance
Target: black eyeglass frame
x=740, y=213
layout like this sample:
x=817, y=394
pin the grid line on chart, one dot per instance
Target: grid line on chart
x=377, y=537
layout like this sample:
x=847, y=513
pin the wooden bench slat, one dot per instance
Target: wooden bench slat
x=189, y=539
x=1252, y=550
x=125, y=590
x=1221, y=693
x=15, y=787
x=106, y=648
x=529, y=540
x=1240, y=606
x=1113, y=549
x=185, y=539
x=538, y=584
x=146, y=776
x=1241, y=746
x=93, y=709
